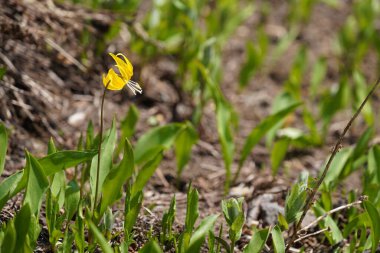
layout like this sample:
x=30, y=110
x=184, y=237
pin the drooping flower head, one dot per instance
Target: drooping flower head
x=114, y=81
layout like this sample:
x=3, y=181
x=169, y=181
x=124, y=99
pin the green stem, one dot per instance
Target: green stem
x=99, y=148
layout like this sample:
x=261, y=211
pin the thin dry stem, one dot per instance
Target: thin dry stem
x=358, y=202
x=310, y=199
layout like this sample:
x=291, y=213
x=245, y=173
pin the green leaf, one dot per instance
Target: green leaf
x=127, y=126
x=295, y=200
x=2, y=72
x=224, y=117
x=12, y=185
x=117, y=177
x=192, y=212
x=22, y=222
x=151, y=247
x=64, y=159
x=37, y=184
x=337, y=166
x=72, y=198
x=278, y=240
x=99, y=237
x=234, y=216
x=106, y=155
x=336, y=234
x=374, y=218
x=131, y=211
x=199, y=235
x=155, y=140
x=168, y=221
x=183, y=144
x=318, y=73
x=278, y=153
x=146, y=173
x=282, y=222
x=3, y=146
x=259, y=131
x=257, y=242
x=8, y=242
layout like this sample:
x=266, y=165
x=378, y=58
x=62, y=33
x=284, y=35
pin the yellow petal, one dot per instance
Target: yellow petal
x=114, y=81
x=125, y=67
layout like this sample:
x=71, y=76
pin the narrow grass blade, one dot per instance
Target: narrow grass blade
x=106, y=248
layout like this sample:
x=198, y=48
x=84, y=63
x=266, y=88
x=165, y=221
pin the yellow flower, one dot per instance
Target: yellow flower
x=114, y=81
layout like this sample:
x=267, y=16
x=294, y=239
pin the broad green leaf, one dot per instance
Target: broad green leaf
x=278, y=154
x=3, y=146
x=117, y=177
x=155, y=140
x=12, y=185
x=37, y=184
x=199, y=235
x=183, y=144
x=106, y=156
x=374, y=218
x=151, y=247
x=146, y=173
x=257, y=242
x=259, y=131
x=64, y=159
x=104, y=245
x=72, y=198
x=278, y=240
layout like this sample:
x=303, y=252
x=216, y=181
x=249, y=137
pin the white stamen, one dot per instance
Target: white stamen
x=134, y=87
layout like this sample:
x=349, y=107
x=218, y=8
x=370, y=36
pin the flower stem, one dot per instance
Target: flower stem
x=99, y=148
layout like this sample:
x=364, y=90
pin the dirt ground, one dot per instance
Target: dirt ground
x=48, y=91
